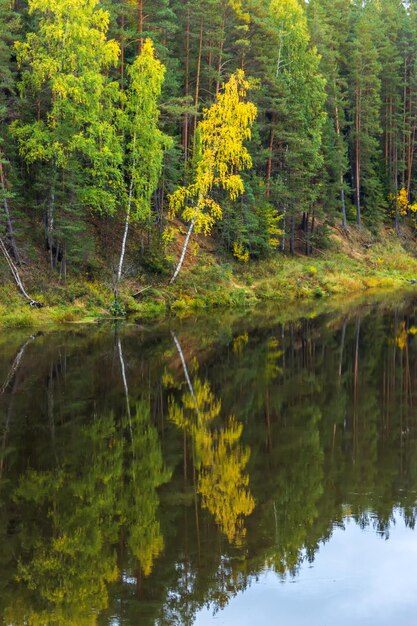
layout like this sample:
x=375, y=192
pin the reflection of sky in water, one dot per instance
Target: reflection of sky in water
x=357, y=578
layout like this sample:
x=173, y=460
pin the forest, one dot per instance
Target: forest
x=135, y=135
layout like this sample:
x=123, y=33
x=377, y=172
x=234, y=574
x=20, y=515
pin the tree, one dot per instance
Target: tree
x=221, y=154
x=72, y=134
x=329, y=22
x=365, y=108
x=145, y=142
x=221, y=459
x=9, y=26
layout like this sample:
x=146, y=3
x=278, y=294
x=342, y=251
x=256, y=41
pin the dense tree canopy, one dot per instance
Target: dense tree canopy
x=334, y=84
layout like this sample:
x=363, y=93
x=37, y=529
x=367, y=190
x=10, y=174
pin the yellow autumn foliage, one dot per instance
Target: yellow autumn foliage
x=220, y=457
x=221, y=155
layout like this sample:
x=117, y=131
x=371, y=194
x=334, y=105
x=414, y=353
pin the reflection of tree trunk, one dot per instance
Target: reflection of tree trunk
x=268, y=421
x=13, y=374
x=191, y=389
x=355, y=387
x=409, y=395
x=51, y=405
x=342, y=347
x=6, y=428
x=125, y=385
x=197, y=521
x=185, y=369
x=16, y=364
x=184, y=453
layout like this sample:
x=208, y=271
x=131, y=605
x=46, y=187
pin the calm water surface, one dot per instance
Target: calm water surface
x=219, y=471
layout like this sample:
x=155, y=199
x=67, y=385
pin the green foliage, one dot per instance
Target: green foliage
x=117, y=309
x=115, y=112
x=144, y=143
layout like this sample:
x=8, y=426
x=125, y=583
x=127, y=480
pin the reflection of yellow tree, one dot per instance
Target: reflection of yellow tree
x=221, y=459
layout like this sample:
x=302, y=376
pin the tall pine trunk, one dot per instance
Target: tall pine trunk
x=357, y=156
x=140, y=24
x=342, y=190
x=197, y=82
x=186, y=87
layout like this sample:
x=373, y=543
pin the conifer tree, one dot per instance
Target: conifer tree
x=365, y=109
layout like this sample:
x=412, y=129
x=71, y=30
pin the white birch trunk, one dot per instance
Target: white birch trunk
x=187, y=239
x=16, y=364
x=126, y=230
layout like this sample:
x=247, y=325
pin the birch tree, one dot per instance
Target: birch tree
x=145, y=142
x=225, y=126
x=70, y=133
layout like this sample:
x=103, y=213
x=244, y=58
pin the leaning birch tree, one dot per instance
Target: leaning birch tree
x=225, y=126
x=145, y=143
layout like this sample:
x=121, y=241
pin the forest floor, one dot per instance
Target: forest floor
x=354, y=263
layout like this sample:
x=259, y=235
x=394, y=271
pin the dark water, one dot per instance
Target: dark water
x=221, y=471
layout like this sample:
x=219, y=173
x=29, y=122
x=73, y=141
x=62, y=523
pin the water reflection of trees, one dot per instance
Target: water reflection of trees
x=326, y=408
x=75, y=507
x=218, y=456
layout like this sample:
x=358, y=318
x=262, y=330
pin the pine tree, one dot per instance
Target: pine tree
x=329, y=22
x=291, y=98
x=365, y=109
x=9, y=27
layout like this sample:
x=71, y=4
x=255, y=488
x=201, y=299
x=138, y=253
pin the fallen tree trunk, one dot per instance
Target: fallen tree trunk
x=15, y=273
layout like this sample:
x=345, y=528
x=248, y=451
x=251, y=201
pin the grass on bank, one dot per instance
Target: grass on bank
x=352, y=265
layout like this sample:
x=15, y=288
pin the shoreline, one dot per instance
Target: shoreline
x=212, y=287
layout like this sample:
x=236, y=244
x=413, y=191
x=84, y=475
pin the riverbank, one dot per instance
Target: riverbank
x=352, y=265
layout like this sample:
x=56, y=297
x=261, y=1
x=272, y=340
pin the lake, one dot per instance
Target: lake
x=258, y=468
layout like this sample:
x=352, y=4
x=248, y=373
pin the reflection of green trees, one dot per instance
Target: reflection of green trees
x=73, y=511
x=67, y=531
x=327, y=409
x=140, y=503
